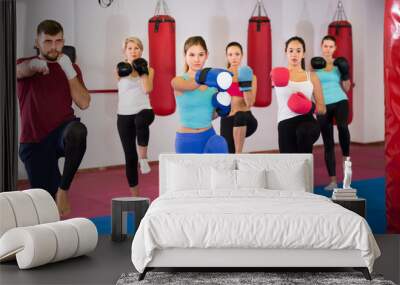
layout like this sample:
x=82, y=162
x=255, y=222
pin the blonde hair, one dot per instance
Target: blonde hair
x=134, y=40
x=193, y=41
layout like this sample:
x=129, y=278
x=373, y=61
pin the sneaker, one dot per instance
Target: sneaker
x=144, y=166
x=331, y=186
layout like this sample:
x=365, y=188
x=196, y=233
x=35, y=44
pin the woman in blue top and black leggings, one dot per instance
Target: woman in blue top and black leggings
x=335, y=81
x=194, y=102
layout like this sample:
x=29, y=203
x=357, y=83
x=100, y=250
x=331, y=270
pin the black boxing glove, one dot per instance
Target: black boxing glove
x=318, y=63
x=140, y=65
x=343, y=65
x=124, y=69
x=70, y=51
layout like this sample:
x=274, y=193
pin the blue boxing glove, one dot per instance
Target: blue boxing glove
x=214, y=77
x=221, y=101
x=245, y=78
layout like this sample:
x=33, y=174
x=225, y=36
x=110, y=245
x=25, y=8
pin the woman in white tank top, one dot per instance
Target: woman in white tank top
x=298, y=132
x=135, y=82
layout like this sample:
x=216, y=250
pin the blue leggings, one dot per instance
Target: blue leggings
x=204, y=142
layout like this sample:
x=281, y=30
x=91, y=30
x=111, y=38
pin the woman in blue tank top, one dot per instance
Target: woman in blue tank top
x=196, y=112
x=334, y=78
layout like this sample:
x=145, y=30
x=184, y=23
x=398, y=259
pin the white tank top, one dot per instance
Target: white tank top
x=283, y=95
x=131, y=97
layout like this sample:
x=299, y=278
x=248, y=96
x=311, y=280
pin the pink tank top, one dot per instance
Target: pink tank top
x=234, y=90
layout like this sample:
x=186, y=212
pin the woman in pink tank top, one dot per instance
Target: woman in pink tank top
x=240, y=123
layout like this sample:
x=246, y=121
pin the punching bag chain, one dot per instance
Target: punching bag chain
x=259, y=7
x=161, y=4
x=340, y=14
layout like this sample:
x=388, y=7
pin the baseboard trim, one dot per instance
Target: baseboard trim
x=377, y=143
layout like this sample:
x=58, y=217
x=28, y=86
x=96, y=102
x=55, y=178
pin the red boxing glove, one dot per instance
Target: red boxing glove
x=299, y=103
x=280, y=76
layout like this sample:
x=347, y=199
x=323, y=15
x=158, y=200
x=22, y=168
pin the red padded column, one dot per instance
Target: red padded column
x=392, y=113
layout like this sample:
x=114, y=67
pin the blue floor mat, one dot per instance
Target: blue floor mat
x=373, y=190
x=103, y=224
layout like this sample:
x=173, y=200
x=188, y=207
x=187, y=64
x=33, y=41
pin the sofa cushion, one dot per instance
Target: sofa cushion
x=7, y=218
x=45, y=206
x=23, y=208
x=41, y=244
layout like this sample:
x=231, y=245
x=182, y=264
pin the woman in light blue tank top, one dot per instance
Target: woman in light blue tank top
x=196, y=112
x=335, y=83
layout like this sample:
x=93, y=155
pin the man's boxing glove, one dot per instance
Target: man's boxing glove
x=280, y=76
x=38, y=65
x=70, y=51
x=245, y=78
x=214, y=77
x=66, y=65
x=124, y=69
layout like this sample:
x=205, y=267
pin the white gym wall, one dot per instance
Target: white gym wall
x=97, y=33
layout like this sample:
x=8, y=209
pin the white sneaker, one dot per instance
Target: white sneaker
x=144, y=166
x=331, y=186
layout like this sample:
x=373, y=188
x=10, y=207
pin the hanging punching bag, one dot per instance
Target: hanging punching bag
x=392, y=113
x=259, y=54
x=162, y=60
x=340, y=28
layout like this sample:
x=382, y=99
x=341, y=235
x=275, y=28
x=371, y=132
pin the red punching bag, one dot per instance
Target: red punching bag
x=162, y=60
x=392, y=113
x=340, y=28
x=259, y=54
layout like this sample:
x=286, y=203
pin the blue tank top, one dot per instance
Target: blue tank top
x=331, y=89
x=195, y=107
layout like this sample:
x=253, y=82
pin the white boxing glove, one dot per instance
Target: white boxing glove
x=39, y=65
x=65, y=62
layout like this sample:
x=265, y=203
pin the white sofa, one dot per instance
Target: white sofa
x=31, y=231
x=203, y=196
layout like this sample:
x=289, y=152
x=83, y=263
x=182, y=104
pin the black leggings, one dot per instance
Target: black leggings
x=339, y=112
x=130, y=127
x=240, y=119
x=298, y=134
x=41, y=159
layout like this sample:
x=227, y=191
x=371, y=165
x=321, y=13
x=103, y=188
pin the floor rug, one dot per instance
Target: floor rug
x=243, y=278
